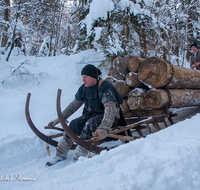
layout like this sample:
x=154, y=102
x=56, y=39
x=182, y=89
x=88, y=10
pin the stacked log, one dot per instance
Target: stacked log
x=133, y=63
x=132, y=80
x=122, y=88
x=118, y=69
x=159, y=73
x=123, y=75
x=175, y=98
x=178, y=86
x=136, y=99
x=153, y=83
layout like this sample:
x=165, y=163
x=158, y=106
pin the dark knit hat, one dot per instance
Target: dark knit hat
x=194, y=44
x=91, y=70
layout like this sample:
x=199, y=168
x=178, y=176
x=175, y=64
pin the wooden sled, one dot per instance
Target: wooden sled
x=137, y=122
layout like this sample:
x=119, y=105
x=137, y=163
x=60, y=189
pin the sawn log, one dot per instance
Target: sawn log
x=173, y=98
x=159, y=73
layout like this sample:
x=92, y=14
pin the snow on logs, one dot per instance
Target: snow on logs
x=153, y=83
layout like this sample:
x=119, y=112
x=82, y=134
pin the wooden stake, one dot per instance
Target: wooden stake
x=48, y=150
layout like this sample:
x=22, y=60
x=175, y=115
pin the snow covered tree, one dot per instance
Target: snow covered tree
x=40, y=25
x=143, y=28
x=117, y=27
x=14, y=33
x=53, y=27
x=44, y=23
x=192, y=24
x=172, y=27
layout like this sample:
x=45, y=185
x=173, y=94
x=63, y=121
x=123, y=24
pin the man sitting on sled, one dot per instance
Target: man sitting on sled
x=101, y=111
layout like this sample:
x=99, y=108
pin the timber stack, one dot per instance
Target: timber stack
x=150, y=85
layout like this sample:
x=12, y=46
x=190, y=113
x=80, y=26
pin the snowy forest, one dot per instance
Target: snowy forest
x=163, y=28
x=44, y=46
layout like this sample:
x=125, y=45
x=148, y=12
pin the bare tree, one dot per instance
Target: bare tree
x=5, y=5
x=16, y=38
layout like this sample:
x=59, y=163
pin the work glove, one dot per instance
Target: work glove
x=100, y=133
x=54, y=122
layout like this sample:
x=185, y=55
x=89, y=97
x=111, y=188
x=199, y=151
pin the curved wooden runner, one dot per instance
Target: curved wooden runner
x=42, y=136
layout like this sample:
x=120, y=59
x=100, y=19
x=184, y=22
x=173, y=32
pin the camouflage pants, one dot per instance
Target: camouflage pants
x=85, y=125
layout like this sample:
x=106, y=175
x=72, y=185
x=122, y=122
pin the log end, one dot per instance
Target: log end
x=153, y=72
x=118, y=69
x=156, y=98
x=132, y=80
x=111, y=80
x=133, y=63
x=122, y=88
x=124, y=106
x=136, y=100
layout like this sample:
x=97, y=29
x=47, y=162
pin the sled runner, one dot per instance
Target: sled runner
x=137, y=122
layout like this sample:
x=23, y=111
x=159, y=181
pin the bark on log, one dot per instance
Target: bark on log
x=144, y=113
x=158, y=73
x=118, y=69
x=133, y=63
x=174, y=98
x=132, y=80
x=122, y=88
x=136, y=100
x=124, y=106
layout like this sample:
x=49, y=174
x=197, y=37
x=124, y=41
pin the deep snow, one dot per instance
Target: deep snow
x=166, y=160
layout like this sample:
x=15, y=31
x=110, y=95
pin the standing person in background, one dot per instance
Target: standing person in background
x=195, y=57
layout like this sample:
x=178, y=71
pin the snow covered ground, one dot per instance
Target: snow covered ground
x=166, y=160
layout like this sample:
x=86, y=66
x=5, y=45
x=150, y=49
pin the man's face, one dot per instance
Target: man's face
x=194, y=49
x=88, y=81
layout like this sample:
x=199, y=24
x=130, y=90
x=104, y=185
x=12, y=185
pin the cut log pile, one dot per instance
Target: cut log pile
x=148, y=85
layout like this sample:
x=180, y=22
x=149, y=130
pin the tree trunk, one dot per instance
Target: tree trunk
x=57, y=34
x=50, y=44
x=14, y=37
x=5, y=27
x=144, y=38
x=159, y=73
x=13, y=40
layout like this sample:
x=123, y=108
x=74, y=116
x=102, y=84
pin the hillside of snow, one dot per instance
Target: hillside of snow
x=166, y=160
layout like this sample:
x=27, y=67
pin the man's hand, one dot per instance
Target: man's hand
x=100, y=133
x=54, y=122
x=196, y=64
